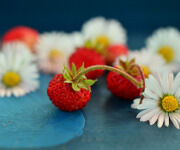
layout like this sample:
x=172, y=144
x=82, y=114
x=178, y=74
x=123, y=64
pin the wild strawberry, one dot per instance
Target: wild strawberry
x=89, y=57
x=68, y=93
x=122, y=87
x=114, y=51
x=23, y=34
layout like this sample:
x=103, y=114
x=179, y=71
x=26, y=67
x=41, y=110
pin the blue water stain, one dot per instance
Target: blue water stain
x=32, y=121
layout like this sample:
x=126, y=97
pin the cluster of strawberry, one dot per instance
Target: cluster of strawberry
x=70, y=91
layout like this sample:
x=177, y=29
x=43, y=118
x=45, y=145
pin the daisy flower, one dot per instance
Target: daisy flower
x=150, y=63
x=100, y=33
x=76, y=39
x=166, y=42
x=53, y=50
x=161, y=101
x=18, y=73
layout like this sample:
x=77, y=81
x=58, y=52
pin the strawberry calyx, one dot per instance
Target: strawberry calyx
x=78, y=79
x=77, y=83
x=132, y=69
x=129, y=67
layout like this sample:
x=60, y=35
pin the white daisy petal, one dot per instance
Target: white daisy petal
x=154, y=86
x=170, y=80
x=175, y=84
x=161, y=119
x=142, y=113
x=149, y=114
x=99, y=26
x=149, y=94
x=135, y=103
x=154, y=118
x=165, y=83
x=147, y=104
x=174, y=121
x=177, y=117
x=20, y=67
x=150, y=63
x=168, y=41
x=166, y=120
x=53, y=50
x=160, y=108
x=2, y=92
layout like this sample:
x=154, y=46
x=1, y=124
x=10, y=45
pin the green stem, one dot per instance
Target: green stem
x=137, y=83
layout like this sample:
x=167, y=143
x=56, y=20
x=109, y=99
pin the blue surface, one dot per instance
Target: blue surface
x=32, y=121
x=112, y=125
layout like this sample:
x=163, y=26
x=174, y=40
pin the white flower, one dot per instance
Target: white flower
x=53, y=50
x=18, y=73
x=150, y=63
x=104, y=32
x=161, y=101
x=166, y=42
x=76, y=39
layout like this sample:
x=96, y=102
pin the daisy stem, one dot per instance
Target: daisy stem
x=137, y=83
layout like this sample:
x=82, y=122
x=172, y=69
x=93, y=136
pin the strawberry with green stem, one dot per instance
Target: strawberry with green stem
x=120, y=86
x=71, y=90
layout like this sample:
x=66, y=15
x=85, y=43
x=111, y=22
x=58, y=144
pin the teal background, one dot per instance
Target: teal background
x=32, y=121
x=136, y=15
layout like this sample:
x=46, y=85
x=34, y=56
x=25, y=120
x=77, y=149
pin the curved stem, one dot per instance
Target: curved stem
x=105, y=67
x=143, y=79
x=142, y=76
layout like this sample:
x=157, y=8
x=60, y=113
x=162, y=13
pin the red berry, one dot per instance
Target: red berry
x=122, y=87
x=23, y=34
x=114, y=51
x=64, y=97
x=90, y=57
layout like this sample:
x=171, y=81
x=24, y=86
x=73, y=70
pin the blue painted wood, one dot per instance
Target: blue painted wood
x=112, y=125
x=32, y=121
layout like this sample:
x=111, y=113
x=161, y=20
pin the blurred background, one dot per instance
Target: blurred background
x=139, y=17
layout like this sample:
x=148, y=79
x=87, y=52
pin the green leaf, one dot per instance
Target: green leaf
x=83, y=85
x=67, y=81
x=73, y=69
x=89, y=82
x=67, y=76
x=75, y=87
x=81, y=68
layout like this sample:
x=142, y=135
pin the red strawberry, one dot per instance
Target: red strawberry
x=64, y=97
x=114, y=51
x=23, y=34
x=89, y=57
x=121, y=86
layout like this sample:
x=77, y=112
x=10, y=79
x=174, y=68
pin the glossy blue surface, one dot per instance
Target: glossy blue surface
x=112, y=125
x=32, y=121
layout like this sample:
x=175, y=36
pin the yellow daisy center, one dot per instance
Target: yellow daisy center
x=167, y=53
x=54, y=54
x=169, y=103
x=103, y=40
x=11, y=79
x=146, y=71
